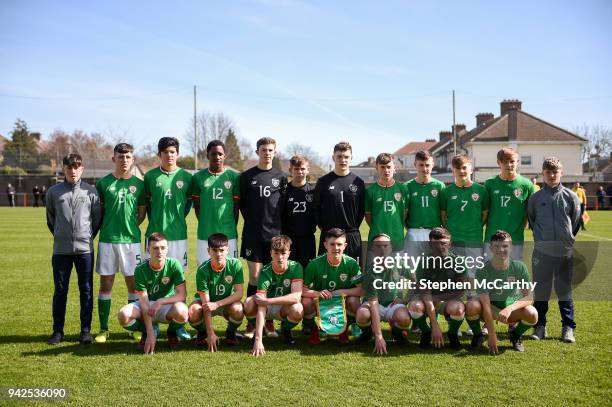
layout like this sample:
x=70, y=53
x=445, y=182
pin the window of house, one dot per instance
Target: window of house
x=526, y=160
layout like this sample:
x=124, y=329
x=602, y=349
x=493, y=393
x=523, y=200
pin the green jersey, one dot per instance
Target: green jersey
x=168, y=194
x=219, y=284
x=501, y=298
x=385, y=295
x=320, y=275
x=120, y=201
x=387, y=205
x=424, y=204
x=217, y=193
x=464, y=207
x=440, y=270
x=161, y=283
x=278, y=284
x=508, y=206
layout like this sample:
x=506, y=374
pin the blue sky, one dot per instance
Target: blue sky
x=378, y=74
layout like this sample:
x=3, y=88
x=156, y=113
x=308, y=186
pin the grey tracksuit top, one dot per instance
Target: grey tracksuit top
x=554, y=213
x=74, y=216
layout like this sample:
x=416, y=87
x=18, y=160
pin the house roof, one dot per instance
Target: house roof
x=413, y=147
x=518, y=125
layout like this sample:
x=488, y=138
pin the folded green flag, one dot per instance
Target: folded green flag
x=332, y=315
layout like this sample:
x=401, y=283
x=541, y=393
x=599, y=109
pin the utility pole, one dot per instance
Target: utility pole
x=195, y=130
x=454, y=127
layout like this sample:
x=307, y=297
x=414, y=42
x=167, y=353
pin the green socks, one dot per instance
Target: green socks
x=475, y=325
x=104, y=307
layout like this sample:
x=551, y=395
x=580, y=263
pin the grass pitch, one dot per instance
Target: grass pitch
x=115, y=373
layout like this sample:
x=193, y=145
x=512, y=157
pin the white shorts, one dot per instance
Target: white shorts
x=160, y=315
x=203, y=250
x=417, y=242
x=517, y=251
x=386, y=313
x=118, y=258
x=177, y=249
x=274, y=312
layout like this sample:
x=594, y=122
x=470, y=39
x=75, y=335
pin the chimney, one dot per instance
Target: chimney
x=35, y=135
x=445, y=135
x=483, y=118
x=430, y=140
x=459, y=127
x=509, y=104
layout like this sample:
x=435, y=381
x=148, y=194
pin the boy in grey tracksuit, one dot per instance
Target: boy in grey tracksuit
x=554, y=216
x=74, y=216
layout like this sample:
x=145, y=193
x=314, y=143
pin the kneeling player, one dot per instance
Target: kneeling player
x=383, y=304
x=160, y=285
x=431, y=299
x=332, y=273
x=279, y=289
x=504, y=305
x=219, y=282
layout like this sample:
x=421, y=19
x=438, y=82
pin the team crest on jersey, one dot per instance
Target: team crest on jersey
x=343, y=277
x=434, y=193
x=496, y=191
x=158, y=184
x=165, y=280
x=227, y=184
x=286, y=282
x=228, y=279
x=179, y=184
x=353, y=188
x=112, y=188
x=248, y=252
x=518, y=192
x=275, y=182
x=308, y=197
x=475, y=197
x=379, y=199
x=254, y=182
x=132, y=189
x=290, y=199
x=397, y=196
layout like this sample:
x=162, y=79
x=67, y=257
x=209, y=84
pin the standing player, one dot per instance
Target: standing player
x=443, y=266
x=508, y=306
x=124, y=208
x=160, y=285
x=332, y=273
x=298, y=216
x=262, y=192
x=424, y=204
x=219, y=282
x=383, y=303
x=168, y=190
x=464, y=205
x=216, y=191
x=339, y=199
x=508, y=194
x=279, y=289
x=386, y=203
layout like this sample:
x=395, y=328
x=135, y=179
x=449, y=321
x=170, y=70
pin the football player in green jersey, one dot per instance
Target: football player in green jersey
x=124, y=207
x=168, y=190
x=441, y=267
x=216, y=191
x=386, y=203
x=508, y=194
x=509, y=301
x=382, y=303
x=219, y=284
x=160, y=285
x=424, y=204
x=332, y=273
x=464, y=204
x=279, y=289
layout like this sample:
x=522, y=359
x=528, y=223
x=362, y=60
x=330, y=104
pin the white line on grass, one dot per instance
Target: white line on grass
x=595, y=236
